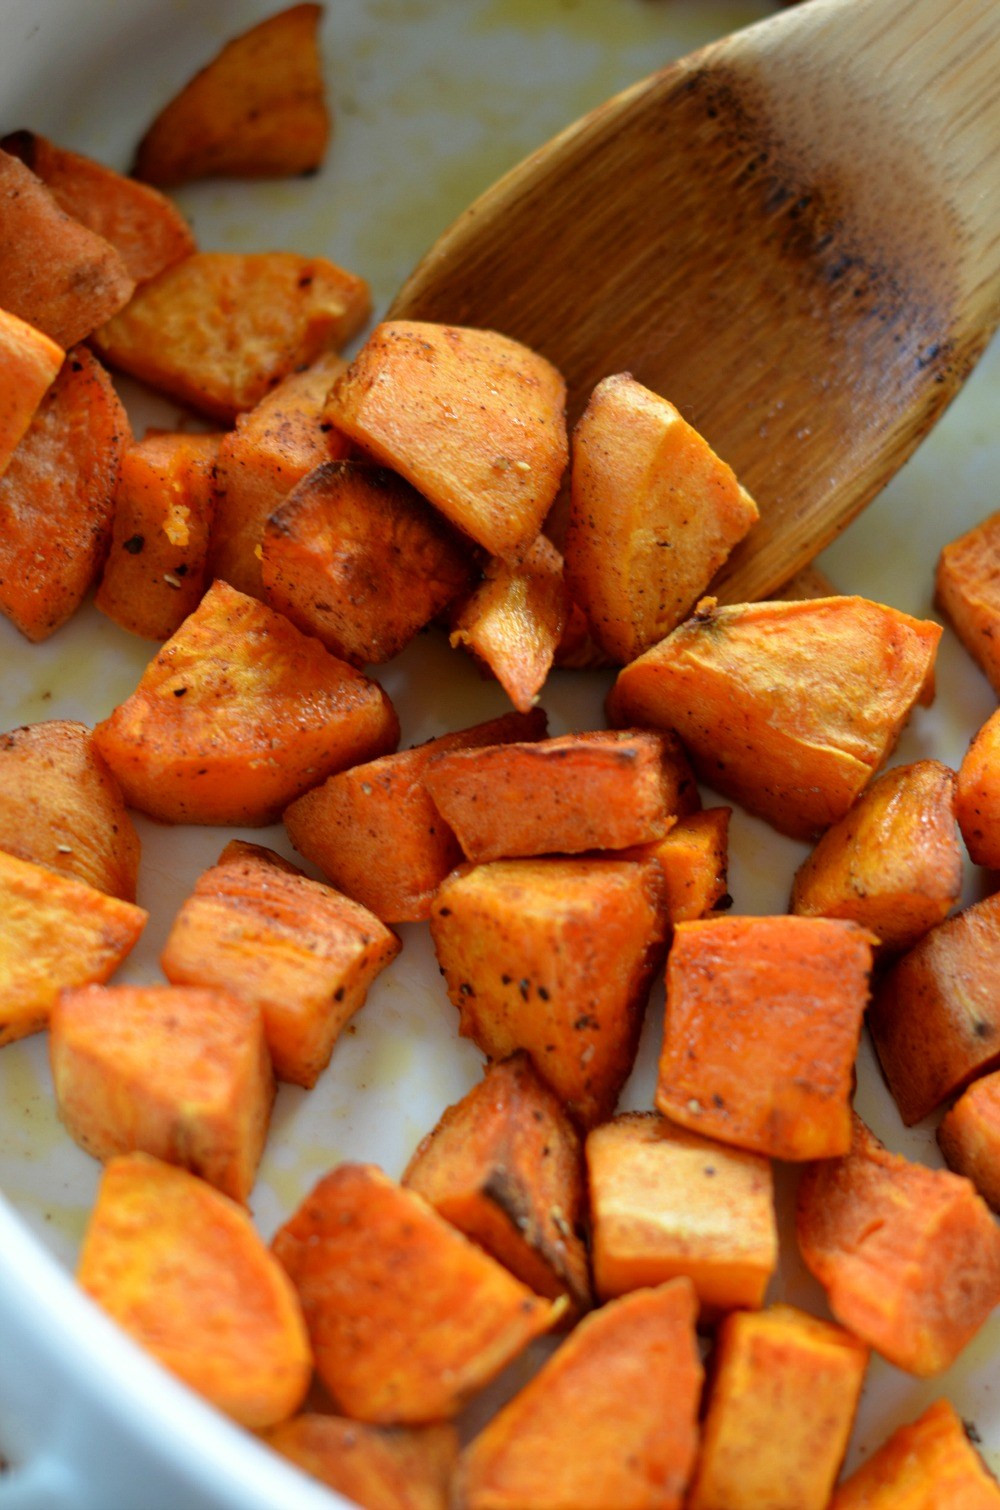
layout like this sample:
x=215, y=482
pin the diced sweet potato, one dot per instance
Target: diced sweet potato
x=408, y=1319
x=179, y=1073
x=156, y=572
x=789, y=708
x=609, y=1421
x=143, y=225
x=977, y=795
x=785, y=1388
x=505, y=1166
x=380, y=1467
x=256, y=110
x=61, y=807
x=238, y=715
x=653, y=515
x=57, y=498
x=474, y=420
x=694, y=859
x=55, y=931
x=909, y=1256
x=554, y=956
x=356, y=557
x=181, y=1268
x=303, y=954
x=762, y=1027
x=375, y=833
x=512, y=623
x=935, y=1017
x=969, y=1137
x=220, y=329
x=54, y=272
x=29, y=362
x=967, y=588
x=666, y=1202
x=929, y=1464
x=893, y=863
x=577, y=650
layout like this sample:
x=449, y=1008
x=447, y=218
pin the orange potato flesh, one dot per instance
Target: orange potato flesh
x=380, y=1467
x=969, y=1137
x=929, y=1464
x=29, y=362
x=977, y=795
x=693, y=858
x=967, y=588
x=181, y=1268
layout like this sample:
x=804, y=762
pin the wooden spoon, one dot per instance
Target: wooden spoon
x=793, y=234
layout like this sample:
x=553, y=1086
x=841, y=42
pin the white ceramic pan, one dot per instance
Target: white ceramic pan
x=433, y=99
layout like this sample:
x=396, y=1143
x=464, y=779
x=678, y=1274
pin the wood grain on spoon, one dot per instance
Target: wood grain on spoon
x=793, y=234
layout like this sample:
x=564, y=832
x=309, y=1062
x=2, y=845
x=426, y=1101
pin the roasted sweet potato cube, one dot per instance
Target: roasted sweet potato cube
x=54, y=272
x=61, y=807
x=181, y=1268
x=271, y=447
x=909, y=1256
x=156, y=571
x=301, y=952
x=784, y=1391
x=55, y=931
x=29, y=362
x=610, y=1420
x=177, y=1072
x=653, y=515
x=554, y=956
x=237, y=715
x=762, y=1027
x=57, y=498
x=967, y=588
x=788, y=708
x=977, y=795
x=969, y=1137
x=356, y=557
x=474, y=420
x=666, y=1202
x=935, y=1016
x=375, y=833
x=256, y=110
x=513, y=621
x=143, y=225
x=893, y=863
x=505, y=1166
x=929, y=1464
x=602, y=790
x=380, y=1467
x=694, y=859
x=408, y=1319
x=218, y=330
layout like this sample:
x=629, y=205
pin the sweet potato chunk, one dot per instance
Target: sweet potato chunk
x=181, y=1268
x=29, y=362
x=893, y=863
x=909, y=1256
x=156, y=573
x=785, y=1388
x=935, y=1017
x=238, y=715
x=356, y=557
x=967, y=588
x=666, y=1202
x=143, y=225
x=270, y=449
x=609, y=1421
x=788, y=708
x=219, y=329
x=375, y=833
x=694, y=860
x=969, y=1137
x=762, y=1027
x=513, y=622
x=408, y=1319
x=380, y=1467
x=257, y=110
x=55, y=931
x=977, y=795
x=929, y=1464
x=603, y=790
x=303, y=954
x=61, y=807
x=57, y=498
x=474, y=420
x=54, y=272
x=554, y=956
x=179, y=1073
x=505, y=1166
x=653, y=515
